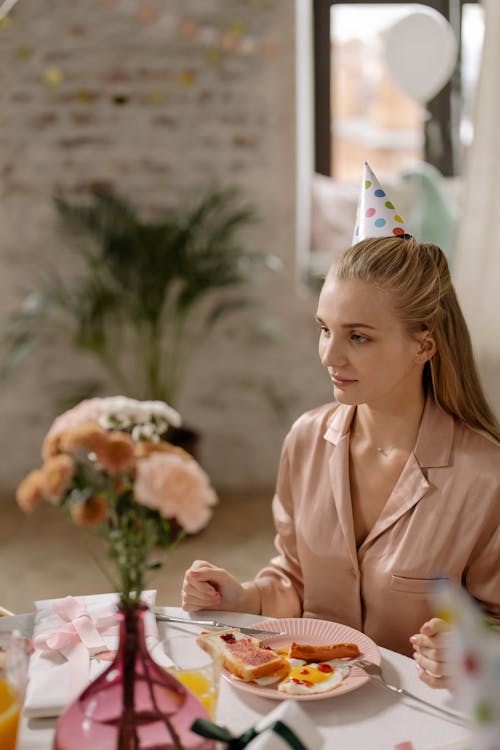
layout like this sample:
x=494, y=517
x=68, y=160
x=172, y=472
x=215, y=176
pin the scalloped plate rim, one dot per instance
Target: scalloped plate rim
x=352, y=682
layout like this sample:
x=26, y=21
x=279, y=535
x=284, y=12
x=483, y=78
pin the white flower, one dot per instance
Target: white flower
x=161, y=410
x=119, y=412
x=145, y=432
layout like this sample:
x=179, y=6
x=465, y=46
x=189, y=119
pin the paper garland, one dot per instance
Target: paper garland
x=218, y=42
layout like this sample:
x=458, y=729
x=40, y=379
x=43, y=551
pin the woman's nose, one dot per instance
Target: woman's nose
x=331, y=352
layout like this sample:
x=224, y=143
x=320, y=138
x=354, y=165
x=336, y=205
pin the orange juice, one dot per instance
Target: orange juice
x=201, y=686
x=9, y=715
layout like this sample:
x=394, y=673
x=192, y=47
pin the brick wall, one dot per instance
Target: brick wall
x=158, y=100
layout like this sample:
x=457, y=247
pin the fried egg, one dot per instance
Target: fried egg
x=272, y=679
x=306, y=679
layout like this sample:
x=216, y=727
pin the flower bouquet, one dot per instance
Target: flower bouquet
x=108, y=465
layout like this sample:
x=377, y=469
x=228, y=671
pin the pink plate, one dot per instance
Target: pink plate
x=316, y=633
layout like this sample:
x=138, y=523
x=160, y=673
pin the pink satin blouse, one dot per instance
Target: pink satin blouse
x=441, y=520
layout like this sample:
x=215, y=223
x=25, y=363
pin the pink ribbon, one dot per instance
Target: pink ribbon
x=80, y=635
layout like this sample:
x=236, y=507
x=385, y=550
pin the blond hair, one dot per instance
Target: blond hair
x=418, y=276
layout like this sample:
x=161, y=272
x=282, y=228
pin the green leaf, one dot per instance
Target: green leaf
x=129, y=301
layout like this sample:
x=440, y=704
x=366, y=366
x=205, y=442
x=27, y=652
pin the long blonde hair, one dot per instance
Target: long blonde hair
x=418, y=276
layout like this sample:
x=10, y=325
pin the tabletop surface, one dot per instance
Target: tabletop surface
x=370, y=717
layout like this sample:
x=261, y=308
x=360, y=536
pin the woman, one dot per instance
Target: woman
x=395, y=484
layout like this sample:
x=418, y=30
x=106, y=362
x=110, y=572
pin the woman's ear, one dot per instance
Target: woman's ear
x=427, y=348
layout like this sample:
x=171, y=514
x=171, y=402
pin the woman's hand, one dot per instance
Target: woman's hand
x=432, y=653
x=208, y=587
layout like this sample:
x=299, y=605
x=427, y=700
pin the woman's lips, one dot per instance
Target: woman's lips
x=341, y=382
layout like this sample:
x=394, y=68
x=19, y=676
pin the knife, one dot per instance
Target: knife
x=215, y=624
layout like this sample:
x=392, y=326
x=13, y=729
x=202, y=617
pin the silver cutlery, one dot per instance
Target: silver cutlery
x=215, y=624
x=375, y=671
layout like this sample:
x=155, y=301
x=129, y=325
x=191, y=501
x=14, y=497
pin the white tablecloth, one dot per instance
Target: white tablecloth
x=370, y=718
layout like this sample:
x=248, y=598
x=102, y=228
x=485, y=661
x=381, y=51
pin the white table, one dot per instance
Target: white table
x=369, y=718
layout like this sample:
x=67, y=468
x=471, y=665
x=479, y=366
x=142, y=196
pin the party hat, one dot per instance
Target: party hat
x=376, y=215
x=475, y=649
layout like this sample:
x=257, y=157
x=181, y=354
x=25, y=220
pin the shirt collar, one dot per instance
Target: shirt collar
x=434, y=440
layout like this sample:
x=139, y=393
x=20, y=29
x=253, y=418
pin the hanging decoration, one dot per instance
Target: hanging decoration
x=156, y=97
x=233, y=39
x=214, y=56
x=119, y=100
x=188, y=29
x=186, y=78
x=237, y=27
x=216, y=43
x=84, y=95
x=53, y=76
x=147, y=13
x=24, y=52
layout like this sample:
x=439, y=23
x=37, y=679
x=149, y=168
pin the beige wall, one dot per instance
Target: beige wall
x=195, y=115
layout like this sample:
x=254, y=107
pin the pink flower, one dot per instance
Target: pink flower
x=177, y=488
x=86, y=411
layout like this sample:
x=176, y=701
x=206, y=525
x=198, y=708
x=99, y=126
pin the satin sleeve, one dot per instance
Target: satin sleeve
x=482, y=576
x=280, y=583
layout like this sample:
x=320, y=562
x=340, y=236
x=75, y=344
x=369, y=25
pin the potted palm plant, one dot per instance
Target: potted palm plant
x=131, y=304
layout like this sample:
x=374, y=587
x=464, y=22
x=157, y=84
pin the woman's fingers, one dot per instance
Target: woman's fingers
x=201, y=564
x=433, y=631
x=205, y=592
x=432, y=653
x=207, y=573
x=191, y=605
x=196, y=584
x=441, y=683
x=195, y=600
x=433, y=648
x=434, y=627
x=203, y=586
x=434, y=667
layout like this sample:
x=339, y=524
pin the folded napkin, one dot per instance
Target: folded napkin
x=74, y=640
x=286, y=728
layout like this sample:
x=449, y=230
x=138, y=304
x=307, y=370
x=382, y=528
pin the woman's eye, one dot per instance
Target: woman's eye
x=358, y=338
x=324, y=331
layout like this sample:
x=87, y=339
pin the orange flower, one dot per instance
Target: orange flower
x=50, y=446
x=29, y=493
x=90, y=513
x=86, y=436
x=117, y=453
x=57, y=472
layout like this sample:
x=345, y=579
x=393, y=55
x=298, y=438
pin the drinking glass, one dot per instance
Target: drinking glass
x=14, y=656
x=200, y=672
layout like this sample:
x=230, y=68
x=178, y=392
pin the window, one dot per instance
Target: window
x=361, y=114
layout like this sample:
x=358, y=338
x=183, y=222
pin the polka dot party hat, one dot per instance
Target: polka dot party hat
x=474, y=646
x=376, y=216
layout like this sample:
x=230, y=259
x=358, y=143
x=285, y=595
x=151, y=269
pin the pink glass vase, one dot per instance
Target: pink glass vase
x=134, y=704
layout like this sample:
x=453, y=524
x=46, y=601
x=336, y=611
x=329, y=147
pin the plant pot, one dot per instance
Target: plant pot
x=134, y=704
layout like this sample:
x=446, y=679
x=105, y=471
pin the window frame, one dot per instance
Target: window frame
x=441, y=138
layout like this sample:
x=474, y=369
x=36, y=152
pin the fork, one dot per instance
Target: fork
x=375, y=671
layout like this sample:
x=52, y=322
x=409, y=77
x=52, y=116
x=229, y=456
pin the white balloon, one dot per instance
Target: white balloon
x=421, y=53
